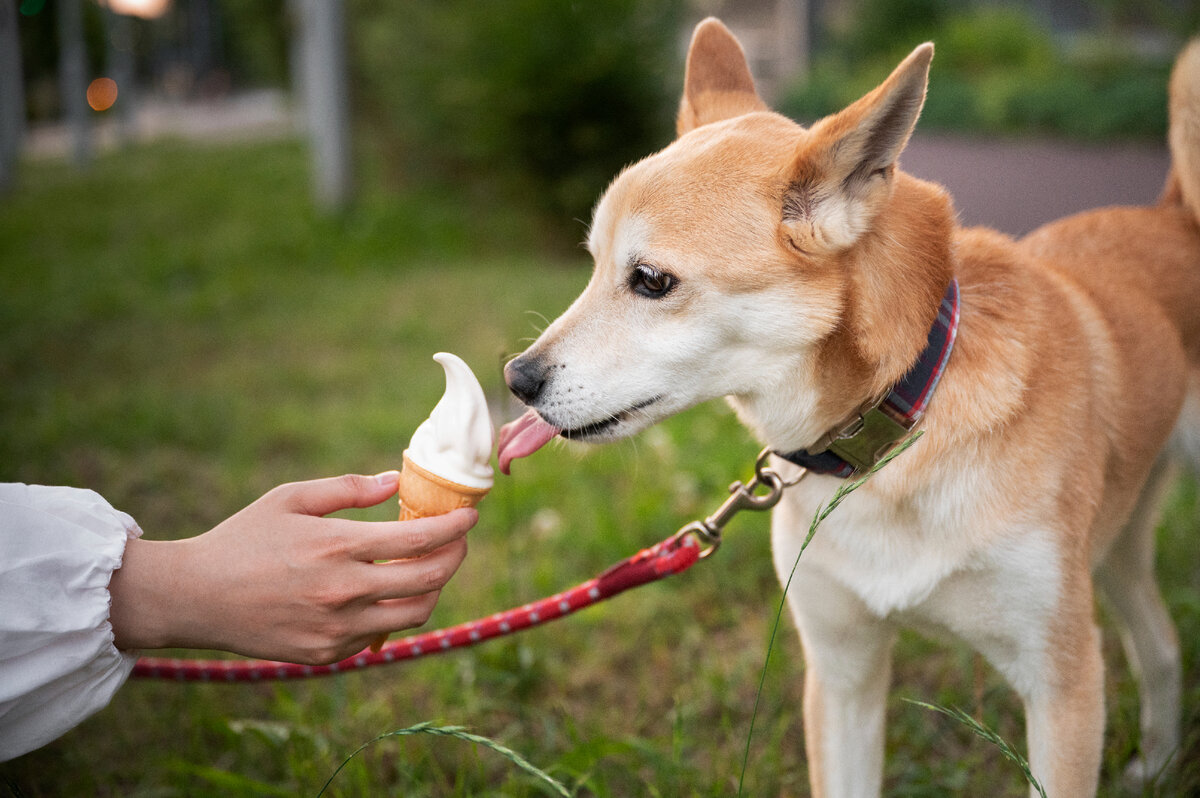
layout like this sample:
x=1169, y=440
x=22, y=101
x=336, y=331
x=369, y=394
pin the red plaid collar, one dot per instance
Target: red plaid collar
x=857, y=446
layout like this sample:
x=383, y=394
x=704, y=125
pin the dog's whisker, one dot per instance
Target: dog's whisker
x=545, y=322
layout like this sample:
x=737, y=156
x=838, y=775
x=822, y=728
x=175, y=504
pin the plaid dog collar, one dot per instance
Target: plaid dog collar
x=864, y=441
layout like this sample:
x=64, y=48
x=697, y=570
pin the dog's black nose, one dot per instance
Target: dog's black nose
x=526, y=377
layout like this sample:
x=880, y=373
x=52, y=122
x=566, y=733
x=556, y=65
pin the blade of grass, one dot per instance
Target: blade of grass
x=822, y=513
x=458, y=732
x=989, y=735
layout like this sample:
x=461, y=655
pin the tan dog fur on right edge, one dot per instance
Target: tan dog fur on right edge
x=797, y=271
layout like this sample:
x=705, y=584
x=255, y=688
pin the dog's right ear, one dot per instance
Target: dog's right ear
x=717, y=83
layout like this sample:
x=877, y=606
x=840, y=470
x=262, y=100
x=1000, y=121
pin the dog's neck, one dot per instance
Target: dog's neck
x=886, y=320
x=858, y=443
x=798, y=416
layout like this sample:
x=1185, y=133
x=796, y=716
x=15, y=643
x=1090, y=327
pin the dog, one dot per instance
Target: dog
x=833, y=301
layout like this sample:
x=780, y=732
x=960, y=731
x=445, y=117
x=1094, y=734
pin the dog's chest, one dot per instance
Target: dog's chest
x=892, y=555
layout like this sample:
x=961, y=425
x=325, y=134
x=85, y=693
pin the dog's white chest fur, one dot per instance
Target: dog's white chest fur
x=885, y=554
x=928, y=566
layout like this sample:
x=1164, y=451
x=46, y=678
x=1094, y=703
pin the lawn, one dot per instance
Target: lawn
x=180, y=332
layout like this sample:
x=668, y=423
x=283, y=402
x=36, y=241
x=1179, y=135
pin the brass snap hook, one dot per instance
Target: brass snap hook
x=741, y=497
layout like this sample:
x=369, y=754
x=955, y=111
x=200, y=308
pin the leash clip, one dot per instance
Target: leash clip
x=741, y=497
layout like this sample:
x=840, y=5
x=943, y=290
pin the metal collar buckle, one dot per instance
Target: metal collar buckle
x=868, y=438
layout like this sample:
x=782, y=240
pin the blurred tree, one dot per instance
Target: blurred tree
x=326, y=104
x=887, y=26
x=999, y=68
x=256, y=40
x=119, y=59
x=12, y=94
x=73, y=79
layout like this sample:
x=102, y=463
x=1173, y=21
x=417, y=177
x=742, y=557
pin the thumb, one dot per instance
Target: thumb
x=319, y=497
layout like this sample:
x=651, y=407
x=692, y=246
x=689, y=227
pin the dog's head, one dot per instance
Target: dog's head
x=792, y=270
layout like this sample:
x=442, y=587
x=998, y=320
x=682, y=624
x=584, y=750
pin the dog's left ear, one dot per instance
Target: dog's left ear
x=717, y=83
x=843, y=170
x=872, y=132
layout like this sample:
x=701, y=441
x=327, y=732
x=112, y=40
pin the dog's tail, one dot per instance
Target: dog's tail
x=1183, y=184
x=1183, y=188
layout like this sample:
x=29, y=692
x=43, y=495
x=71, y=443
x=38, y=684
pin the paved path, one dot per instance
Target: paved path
x=1016, y=185
x=1013, y=185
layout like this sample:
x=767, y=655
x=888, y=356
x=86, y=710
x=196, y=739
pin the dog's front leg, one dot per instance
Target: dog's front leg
x=848, y=654
x=1064, y=708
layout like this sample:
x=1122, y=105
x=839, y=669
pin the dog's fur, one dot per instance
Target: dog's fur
x=805, y=270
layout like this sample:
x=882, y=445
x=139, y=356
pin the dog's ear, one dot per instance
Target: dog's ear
x=871, y=133
x=844, y=169
x=717, y=83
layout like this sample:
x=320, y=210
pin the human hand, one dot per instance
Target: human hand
x=280, y=581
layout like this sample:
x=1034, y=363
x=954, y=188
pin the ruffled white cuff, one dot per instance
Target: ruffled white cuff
x=58, y=664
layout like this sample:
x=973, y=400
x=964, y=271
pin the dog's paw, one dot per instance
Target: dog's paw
x=1142, y=774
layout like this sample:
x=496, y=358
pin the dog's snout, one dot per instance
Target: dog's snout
x=526, y=376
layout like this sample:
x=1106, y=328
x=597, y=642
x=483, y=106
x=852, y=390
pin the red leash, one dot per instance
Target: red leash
x=671, y=556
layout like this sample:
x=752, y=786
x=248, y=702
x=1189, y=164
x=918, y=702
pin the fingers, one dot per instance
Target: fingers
x=397, y=615
x=319, y=497
x=415, y=576
x=371, y=625
x=400, y=540
x=393, y=596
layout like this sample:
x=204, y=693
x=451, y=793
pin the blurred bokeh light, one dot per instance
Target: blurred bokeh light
x=102, y=93
x=146, y=9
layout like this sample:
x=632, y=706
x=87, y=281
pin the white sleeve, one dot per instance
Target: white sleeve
x=58, y=664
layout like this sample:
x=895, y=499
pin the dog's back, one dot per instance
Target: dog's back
x=1143, y=264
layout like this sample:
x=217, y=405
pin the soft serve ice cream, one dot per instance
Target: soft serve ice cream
x=447, y=464
x=448, y=461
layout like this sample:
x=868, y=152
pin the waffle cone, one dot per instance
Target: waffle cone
x=424, y=493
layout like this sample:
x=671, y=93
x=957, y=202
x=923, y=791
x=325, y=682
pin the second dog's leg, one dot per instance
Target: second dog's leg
x=1147, y=634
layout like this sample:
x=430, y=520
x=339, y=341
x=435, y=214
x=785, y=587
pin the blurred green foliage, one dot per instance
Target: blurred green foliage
x=996, y=70
x=541, y=100
x=536, y=103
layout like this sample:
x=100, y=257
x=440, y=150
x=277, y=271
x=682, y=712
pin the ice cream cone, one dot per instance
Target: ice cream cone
x=455, y=441
x=423, y=493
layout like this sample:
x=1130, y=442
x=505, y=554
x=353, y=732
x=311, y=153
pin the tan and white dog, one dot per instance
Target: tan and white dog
x=798, y=272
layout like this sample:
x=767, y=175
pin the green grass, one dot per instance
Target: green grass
x=180, y=332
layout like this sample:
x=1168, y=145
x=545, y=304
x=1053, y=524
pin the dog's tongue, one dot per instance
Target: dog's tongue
x=523, y=437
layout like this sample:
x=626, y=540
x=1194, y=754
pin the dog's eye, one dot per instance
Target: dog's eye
x=650, y=282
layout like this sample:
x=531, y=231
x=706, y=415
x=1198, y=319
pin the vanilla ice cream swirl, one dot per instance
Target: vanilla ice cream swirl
x=456, y=441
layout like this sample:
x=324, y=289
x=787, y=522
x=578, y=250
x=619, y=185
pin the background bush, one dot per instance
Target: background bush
x=536, y=104
x=541, y=100
x=997, y=71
